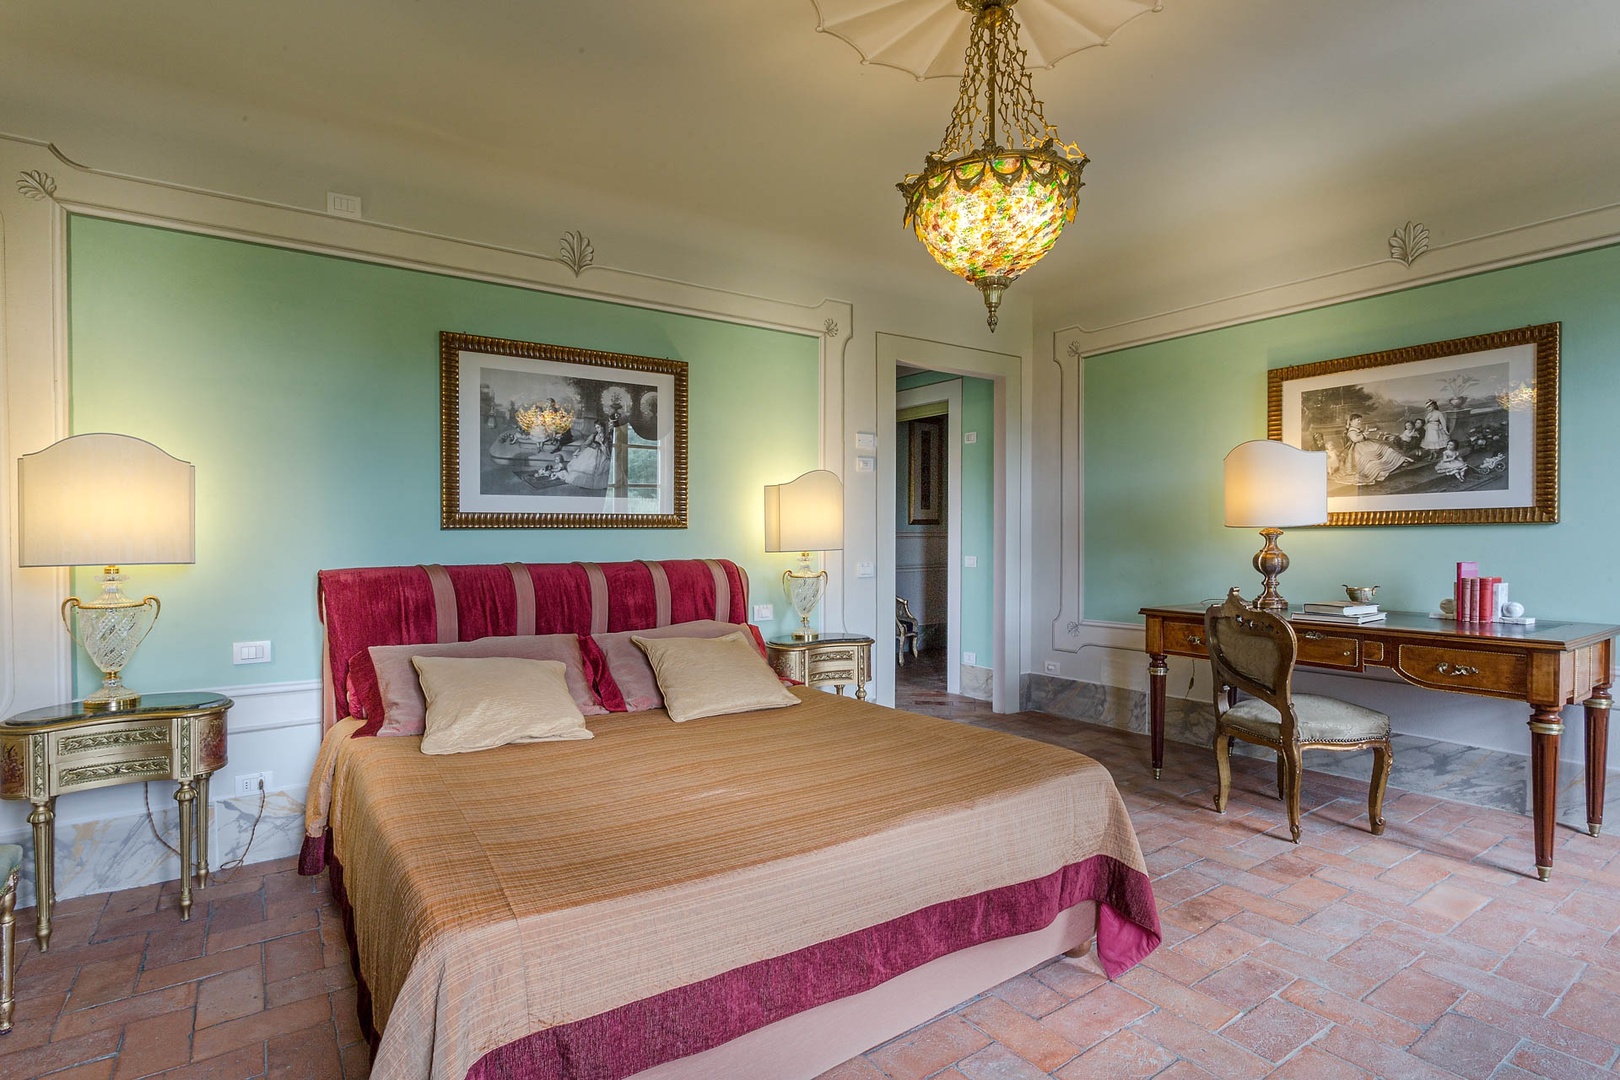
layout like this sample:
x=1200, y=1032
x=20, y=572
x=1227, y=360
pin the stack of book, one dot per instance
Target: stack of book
x=1478, y=599
x=1341, y=612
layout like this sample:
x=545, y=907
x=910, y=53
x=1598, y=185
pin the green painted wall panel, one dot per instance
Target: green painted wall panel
x=305, y=390
x=1159, y=419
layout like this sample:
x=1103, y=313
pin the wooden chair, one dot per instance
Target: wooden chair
x=905, y=630
x=10, y=867
x=1253, y=652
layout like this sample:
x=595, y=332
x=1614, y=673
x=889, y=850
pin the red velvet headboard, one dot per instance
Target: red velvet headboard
x=397, y=605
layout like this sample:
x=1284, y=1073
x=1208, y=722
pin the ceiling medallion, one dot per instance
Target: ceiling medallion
x=992, y=200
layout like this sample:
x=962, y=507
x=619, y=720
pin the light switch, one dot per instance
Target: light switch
x=970, y=561
x=865, y=570
x=764, y=612
x=970, y=437
x=250, y=652
x=866, y=464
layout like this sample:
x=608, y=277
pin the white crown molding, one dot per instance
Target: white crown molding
x=1563, y=234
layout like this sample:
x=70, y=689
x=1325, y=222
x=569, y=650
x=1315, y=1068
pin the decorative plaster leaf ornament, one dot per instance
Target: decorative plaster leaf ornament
x=1409, y=243
x=36, y=185
x=830, y=328
x=577, y=252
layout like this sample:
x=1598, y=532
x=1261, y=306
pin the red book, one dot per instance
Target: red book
x=1476, y=606
x=1470, y=602
x=1465, y=570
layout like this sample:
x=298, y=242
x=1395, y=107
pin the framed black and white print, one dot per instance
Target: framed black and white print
x=544, y=436
x=1452, y=432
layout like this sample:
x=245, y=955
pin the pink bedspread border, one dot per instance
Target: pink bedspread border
x=694, y=1018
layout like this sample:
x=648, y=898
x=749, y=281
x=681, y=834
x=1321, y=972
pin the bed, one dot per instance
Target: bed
x=760, y=894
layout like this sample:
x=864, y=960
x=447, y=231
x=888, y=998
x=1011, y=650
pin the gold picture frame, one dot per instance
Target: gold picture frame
x=1453, y=432
x=536, y=436
x=925, y=480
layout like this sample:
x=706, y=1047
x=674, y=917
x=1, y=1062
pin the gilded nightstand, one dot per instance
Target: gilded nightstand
x=62, y=749
x=836, y=660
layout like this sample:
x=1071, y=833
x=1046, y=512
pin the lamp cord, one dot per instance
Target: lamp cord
x=225, y=867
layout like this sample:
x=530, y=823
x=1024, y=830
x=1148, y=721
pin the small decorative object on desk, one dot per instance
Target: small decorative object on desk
x=1360, y=594
x=1374, y=616
x=1339, y=607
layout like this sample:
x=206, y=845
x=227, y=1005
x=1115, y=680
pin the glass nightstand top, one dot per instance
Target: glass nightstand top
x=150, y=704
x=824, y=639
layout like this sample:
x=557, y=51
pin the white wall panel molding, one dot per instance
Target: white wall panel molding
x=1564, y=234
x=1070, y=469
x=273, y=706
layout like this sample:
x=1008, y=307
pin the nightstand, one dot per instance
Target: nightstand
x=61, y=749
x=836, y=660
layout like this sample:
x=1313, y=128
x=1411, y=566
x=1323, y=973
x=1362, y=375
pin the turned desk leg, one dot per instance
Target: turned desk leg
x=1545, y=727
x=43, y=819
x=1597, y=754
x=185, y=795
x=1158, y=671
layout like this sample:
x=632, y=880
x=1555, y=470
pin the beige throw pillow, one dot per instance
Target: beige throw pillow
x=476, y=703
x=712, y=676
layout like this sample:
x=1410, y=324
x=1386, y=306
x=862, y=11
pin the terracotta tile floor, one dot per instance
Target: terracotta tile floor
x=1428, y=952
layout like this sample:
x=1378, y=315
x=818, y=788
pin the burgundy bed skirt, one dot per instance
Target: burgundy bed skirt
x=694, y=1018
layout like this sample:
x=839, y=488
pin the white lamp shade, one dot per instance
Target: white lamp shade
x=1271, y=485
x=104, y=500
x=806, y=514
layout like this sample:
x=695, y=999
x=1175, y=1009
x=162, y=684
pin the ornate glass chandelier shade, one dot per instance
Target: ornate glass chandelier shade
x=995, y=196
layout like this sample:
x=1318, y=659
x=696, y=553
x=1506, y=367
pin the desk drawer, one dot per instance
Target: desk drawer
x=112, y=754
x=1467, y=670
x=1327, y=650
x=1185, y=638
x=834, y=665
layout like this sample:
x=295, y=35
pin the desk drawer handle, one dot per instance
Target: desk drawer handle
x=1456, y=671
x=1194, y=639
x=1313, y=635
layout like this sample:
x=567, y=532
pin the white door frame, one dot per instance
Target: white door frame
x=1006, y=371
x=950, y=392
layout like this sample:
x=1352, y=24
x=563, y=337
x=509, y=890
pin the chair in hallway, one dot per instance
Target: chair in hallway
x=905, y=630
x=10, y=868
x=1254, y=652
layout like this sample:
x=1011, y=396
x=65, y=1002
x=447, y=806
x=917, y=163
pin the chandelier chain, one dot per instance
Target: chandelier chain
x=996, y=98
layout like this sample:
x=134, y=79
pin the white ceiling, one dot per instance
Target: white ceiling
x=1235, y=143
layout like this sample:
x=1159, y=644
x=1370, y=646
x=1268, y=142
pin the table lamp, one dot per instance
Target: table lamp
x=106, y=500
x=805, y=515
x=1271, y=486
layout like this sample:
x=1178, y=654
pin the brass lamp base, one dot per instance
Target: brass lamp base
x=1270, y=562
x=804, y=591
x=110, y=627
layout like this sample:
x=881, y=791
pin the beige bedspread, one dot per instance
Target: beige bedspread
x=502, y=892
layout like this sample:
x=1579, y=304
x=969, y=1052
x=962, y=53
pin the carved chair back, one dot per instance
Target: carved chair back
x=1253, y=651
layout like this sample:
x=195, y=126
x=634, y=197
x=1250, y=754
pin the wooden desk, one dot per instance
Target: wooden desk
x=61, y=749
x=1547, y=666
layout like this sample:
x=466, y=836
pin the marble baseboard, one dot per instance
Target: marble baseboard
x=122, y=852
x=1465, y=774
x=977, y=682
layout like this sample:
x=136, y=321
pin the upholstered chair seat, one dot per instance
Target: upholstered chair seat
x=10, y=867
x=1253, y=652
x=1321, y=719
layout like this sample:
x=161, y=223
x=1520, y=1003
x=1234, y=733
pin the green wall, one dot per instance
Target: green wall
x=978, y=506
x=1159, y=419
x=305, y=390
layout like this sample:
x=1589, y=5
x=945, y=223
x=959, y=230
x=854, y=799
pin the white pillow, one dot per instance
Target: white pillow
x=712, y=676
x=477, y=703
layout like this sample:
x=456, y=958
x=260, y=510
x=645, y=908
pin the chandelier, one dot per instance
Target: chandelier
x=991, y=201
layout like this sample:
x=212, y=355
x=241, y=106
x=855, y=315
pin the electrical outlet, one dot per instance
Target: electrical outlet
x=250, y=652
x=764, y=612
x=1052, y=668
x=970, y=659
x=970, y=561
x=252, y=783
x=866, y=570
x=865, y=464
x=866, y=440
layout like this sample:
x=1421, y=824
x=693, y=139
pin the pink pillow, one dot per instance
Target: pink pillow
x=631, y=675
x=398, y=694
